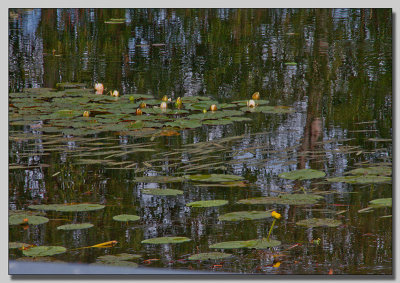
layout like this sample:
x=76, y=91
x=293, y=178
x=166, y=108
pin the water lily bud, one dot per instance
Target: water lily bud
x=204, y=111
x=251, y=103
x=142, y=105
x=115, y=93
x=139, y=111
x=131, y=98
x=256, y=96
x=99, y=87
x=165, y=98
x=179, y=100
x=163, y=105
x=213, y=107
x=86, y=114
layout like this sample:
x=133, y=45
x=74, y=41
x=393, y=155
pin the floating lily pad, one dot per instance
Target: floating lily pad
x=17, y=219
x=207, y=203
x=250, y=244
x=361, y=179
x=293, y=199
x=166, y=240
x=209, y=256
x=319, y=222
x=158, y=179
x=381, y=202
x=68, y=207
x=244, y=215
x=77, y=226
x=162, y=192
x=383, y=171
x=213, y=178
x=126, y=217
x=302, y=174
x=44, y=251
x=118, y=257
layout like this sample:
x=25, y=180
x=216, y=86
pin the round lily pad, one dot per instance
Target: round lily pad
x=382, y=170
x=250, y=244
x=289, y=199
x=162, y=192
x=17, y=219
x=118, y=257
x=77, y=226
x=68, y=207
x=360, y=179
x=209, y=256
x=126, y=217
x=319, y=222
x=207, y=203
x=381, y=202
x=213, y=178
x=44, y=251
x=244, y=215
x=158, y=179
x=166, y=240
x=302, y=174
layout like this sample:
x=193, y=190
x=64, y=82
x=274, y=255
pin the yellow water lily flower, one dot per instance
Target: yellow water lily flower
x=213, y=107
x=275, y=214
x=277, y=264
x=86, y=114
x=256, y=96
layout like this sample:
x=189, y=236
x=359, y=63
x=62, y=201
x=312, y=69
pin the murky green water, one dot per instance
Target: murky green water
x=331, y=69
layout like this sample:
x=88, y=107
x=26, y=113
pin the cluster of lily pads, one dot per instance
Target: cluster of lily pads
x=77, y=111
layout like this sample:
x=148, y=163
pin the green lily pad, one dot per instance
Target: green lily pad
x=302, y=174
x=17, y=245
x=244, y=215
x=213, y=178
x=166, y=240
x=293, y=199
x=17, y=219
x=250, y=244
x=383, y=170
x=207, y=203
x=44, y=251
x=184, y=124
x=360, y=179
x=77, y=226
x=68, y=207
x=162, y=192
x=126, y=217
x=319, y=222
x=158, y=179
x=381, y=202
x=209, y=256
x=118, y=257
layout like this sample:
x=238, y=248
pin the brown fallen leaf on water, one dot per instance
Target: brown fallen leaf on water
x=169, y=133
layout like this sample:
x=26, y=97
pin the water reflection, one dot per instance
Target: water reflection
x=332, y=65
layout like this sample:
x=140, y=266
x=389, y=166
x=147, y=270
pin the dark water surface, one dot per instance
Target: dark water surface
x=333, y=66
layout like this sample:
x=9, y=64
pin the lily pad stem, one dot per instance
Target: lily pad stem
x=270, y=229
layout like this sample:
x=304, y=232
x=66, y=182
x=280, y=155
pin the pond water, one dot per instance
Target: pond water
x=325, y=82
